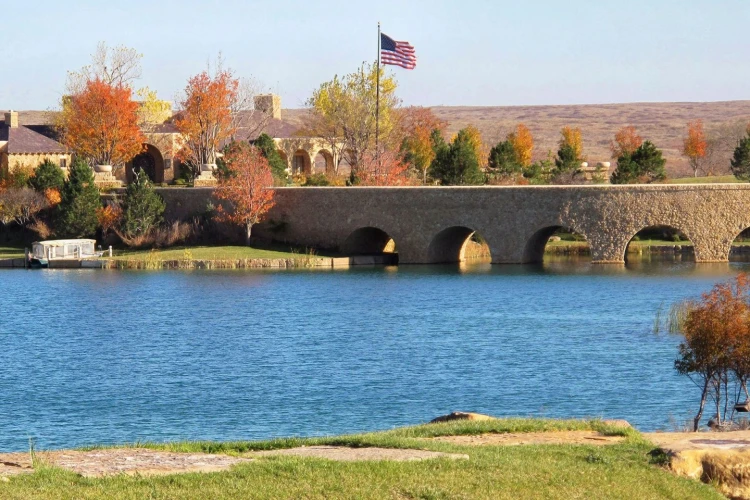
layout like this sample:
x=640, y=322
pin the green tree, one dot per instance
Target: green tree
x=644, y=165
x=567, y=161
x=265, y=143
x=80, y=199
x=47, y=176
x=142, y=207
x=741, y=159
x=503, y=160
x=457, y=164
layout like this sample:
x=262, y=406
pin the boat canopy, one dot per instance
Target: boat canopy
x=64, y=249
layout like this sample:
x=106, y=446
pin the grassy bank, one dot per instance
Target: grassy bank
x=492, y=472
x=11, y=252
x=214, y=253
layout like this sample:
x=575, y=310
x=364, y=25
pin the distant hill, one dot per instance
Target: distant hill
x=664, y=124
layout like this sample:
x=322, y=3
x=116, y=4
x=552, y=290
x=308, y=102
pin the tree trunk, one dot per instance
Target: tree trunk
x=248, y=233
x=697, y=419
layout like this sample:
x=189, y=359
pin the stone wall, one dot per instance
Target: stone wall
x=430, y=224
x=12, y=162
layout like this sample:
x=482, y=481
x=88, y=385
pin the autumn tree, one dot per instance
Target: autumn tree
x=418, y=124
x=245, y=191
x=644, y=165
x=741, y=159
x=570, y=152
x=626, y=141
x=512, y=156
x=117, y=66
x=694, y=146
x=205, y=116
x=716, y=345
x=100, y=124
x=523, y=144
x=383, y=169
x=343, y=112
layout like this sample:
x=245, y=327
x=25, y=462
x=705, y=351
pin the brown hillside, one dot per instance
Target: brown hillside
x=664, y=124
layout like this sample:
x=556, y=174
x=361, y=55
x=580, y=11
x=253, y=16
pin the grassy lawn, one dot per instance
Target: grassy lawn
x=214, y=253
x=11, y=252
x=714, y=179
x=492, y=472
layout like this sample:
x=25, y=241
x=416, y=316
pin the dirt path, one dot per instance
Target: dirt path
x=346, y=454
x=513, y=439
x=132, y=461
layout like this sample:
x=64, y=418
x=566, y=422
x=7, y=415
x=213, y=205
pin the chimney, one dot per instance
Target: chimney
x=269, y=104
x=11, y=119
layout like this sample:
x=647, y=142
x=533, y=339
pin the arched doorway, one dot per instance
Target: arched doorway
x=553, y=241
x=301, y=163
x=150, y=161
x=323, y=162
x=660, y=242
x=368, y=241
x=458, y=244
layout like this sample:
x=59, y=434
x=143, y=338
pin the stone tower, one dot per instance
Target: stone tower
x=269, y=103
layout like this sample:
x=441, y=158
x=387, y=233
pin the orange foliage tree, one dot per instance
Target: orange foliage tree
x=384, y=169
x=245, y=188
x=100, y=123
x=205, y=117
x=475, y=139
x=417, y=125
x=626, y=141
x=523, y=144
x=695, y=146
x=571, y=137
x=716, y=350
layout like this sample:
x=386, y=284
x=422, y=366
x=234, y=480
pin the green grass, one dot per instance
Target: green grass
x=212, y=253
x=11, y=252
x=714, y=179
x=493, y=472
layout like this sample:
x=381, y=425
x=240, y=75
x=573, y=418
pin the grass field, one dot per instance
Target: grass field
x=623, y=470
x=714, y=179
x=213, y=253
x=11, y=252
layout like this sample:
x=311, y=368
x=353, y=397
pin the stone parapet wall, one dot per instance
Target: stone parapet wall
x=514, y=220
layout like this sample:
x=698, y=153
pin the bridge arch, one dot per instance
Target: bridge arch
x=663, y=234
x=368, y=240
x=536, y=245
x=451, y=245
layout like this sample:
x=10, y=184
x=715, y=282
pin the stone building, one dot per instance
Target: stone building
x=33, y=139
x=24, y=147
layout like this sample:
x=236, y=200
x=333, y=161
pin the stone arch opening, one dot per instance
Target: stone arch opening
x=151, y=161
x=301, y=163
x=323, y=163
x=555, y=240
x=368, y=241
x=458, y=244
x=284, y=157
x=740, y=249
x=660, y=241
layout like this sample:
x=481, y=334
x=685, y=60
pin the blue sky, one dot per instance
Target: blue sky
x=472, y=52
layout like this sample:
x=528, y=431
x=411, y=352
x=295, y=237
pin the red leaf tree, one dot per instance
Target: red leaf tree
x=245, y=187
x=384, y=169
x=205, y=117
x=695, y=146
x=626, y=141
x=100, y=123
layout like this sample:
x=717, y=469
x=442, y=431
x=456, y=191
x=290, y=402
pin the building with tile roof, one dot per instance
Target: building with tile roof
x=24, y=148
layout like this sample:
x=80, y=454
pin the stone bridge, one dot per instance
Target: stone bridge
x=432, y=224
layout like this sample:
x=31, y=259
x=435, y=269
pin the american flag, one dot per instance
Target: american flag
x=397, y=53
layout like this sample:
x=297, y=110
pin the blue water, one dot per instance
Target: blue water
x=94, y=357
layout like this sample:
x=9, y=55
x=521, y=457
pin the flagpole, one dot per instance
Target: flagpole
x=377, y=100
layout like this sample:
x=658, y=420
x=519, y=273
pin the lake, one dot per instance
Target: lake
x=99, y=357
